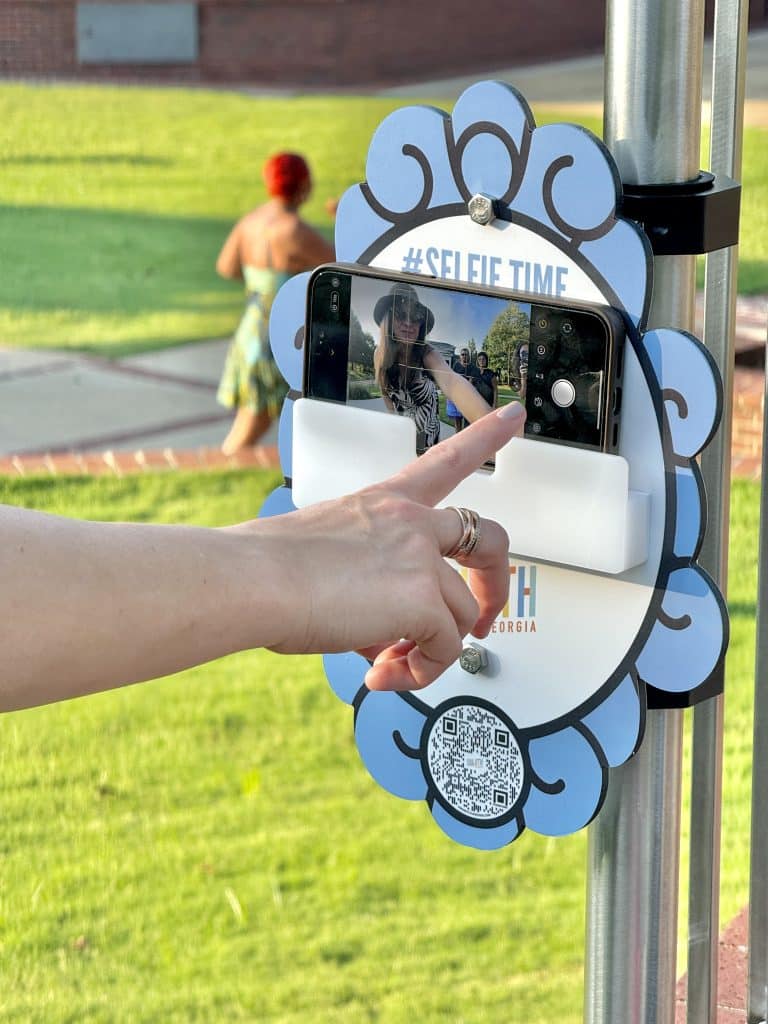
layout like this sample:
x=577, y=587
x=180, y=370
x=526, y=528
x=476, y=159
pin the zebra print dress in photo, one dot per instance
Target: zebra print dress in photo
x=417, y=399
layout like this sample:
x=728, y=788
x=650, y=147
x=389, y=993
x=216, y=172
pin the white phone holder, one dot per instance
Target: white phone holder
x=557, y=503
x=608, y=611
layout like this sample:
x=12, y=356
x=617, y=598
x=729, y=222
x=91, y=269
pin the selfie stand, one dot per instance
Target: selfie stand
x=608, y=611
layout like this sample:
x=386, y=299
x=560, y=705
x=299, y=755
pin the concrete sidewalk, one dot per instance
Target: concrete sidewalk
x=66, y=412
x=578, y=83
x=54, y=401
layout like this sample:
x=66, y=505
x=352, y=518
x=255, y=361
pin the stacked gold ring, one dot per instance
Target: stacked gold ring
x=470, y=533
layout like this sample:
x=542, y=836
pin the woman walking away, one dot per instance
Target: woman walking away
x=265, y=248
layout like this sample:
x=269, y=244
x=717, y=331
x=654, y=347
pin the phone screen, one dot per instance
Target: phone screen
x=445, y=357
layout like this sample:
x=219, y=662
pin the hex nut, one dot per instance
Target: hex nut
x=473, y=659
x=481, y=208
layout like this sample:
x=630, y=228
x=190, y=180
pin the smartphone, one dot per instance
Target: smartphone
x=444, y=353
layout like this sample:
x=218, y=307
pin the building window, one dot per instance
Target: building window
x=137, y=33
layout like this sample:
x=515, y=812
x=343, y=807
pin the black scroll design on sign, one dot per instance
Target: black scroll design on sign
x=518, y=156
x=421, y=206
x=576, y=235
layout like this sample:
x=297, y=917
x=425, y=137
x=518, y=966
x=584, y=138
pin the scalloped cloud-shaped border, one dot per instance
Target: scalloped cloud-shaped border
x=424, y=165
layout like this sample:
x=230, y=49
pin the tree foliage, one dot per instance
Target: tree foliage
x=509, y=330
x=361, y=347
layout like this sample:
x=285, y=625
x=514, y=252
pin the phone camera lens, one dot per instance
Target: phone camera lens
x=335, y=282
x=567, y=327
x=542, y=323
x=541, y=350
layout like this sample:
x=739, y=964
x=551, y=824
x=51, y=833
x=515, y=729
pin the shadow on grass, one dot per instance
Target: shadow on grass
x=117, y=159
x=109, y=262
x=753, y=277
x=138, y=346
x=746, y=608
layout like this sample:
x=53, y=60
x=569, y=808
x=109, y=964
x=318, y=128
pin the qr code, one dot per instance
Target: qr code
x=475, y=762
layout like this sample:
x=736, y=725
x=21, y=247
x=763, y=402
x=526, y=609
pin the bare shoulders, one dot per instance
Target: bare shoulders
x=259, y=233
x=261, y=221
x=280, y=239
x=296, y=246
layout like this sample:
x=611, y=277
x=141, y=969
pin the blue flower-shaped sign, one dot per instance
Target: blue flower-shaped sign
x=579, y=651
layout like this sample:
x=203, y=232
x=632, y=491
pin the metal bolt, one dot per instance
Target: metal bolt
x=474, y=659
x=481, y=208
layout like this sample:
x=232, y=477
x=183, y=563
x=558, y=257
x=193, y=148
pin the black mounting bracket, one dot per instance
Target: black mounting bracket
x=686, y=218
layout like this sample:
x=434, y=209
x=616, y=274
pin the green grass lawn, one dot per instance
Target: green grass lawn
x=115, y=201
x=210, y=848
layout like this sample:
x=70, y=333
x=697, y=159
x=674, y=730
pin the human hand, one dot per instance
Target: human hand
x=367, y=572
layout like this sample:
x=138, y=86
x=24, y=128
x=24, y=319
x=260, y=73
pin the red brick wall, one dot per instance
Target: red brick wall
x=36, y=37
x=359, y=41
x=320, y=42
x=326, y=43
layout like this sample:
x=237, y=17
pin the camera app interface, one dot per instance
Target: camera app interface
x=445, y=358
x=566, y=367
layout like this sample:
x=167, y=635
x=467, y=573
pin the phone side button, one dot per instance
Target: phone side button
x=617, y=400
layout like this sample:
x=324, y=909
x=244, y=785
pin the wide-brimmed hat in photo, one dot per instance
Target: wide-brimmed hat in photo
x=403, y=295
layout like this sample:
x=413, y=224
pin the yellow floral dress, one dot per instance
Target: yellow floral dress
x=251, y=378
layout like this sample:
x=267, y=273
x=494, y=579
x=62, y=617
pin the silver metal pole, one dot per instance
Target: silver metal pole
x=757, y=991
x=728, y=76
x=654, y=58
x=632, y=885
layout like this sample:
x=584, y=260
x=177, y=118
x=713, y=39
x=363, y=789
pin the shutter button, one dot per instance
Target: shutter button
x=563, y=393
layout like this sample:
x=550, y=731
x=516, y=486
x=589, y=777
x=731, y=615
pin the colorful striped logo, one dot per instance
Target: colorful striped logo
x=522, y=592
x=521, y=603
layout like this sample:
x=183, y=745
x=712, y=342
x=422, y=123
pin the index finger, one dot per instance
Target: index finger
x=428, y=479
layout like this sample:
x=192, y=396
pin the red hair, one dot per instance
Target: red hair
x=286, y=175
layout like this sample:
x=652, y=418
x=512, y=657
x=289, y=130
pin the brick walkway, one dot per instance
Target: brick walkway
x=120, y=463
x=731, y=975
x=747, y=441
